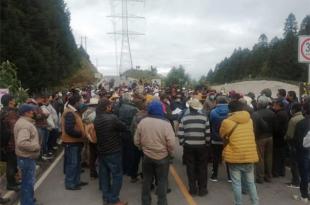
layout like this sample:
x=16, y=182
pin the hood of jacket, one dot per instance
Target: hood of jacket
x=240, y=117
x=221, y=110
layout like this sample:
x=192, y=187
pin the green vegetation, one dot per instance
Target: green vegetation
x=36, y=37
x=276, y=59
x=144, y=75
x=8, y=79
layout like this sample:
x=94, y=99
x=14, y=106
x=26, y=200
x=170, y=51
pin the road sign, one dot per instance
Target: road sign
x=304, y=49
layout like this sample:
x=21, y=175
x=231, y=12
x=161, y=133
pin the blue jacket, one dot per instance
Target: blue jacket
x=217, y=115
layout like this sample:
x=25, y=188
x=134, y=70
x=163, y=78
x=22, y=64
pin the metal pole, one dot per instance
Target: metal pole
x=309, y=73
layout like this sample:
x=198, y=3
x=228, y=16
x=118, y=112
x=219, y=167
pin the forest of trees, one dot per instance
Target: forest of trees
x=36, y=37
x=275, y=59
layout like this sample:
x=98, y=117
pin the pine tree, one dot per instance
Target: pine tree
x=305, y=26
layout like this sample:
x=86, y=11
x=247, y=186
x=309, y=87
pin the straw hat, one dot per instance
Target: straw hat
x=195, y=104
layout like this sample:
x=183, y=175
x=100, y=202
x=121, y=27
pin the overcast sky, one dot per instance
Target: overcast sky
x=195, y=33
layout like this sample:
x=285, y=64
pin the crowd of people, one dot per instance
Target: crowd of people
x=113, y=131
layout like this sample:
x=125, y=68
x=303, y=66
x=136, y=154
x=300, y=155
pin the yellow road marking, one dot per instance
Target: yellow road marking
x=182, y=186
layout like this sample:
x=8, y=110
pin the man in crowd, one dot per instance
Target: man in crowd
x=131, y=154
x=217, y=115
x=27, y=148
x=263, y=121
x=109, y=145
x=194, y=134
x=155, y=136
x=297, y=116
x=8, y=118
x=240, y=151
x=73, y=136
x=302, y=131
x=280, y=128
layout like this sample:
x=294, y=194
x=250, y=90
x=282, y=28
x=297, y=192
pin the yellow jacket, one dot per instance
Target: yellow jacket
x=241, y=147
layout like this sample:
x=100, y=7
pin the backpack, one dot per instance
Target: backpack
x=306, y=140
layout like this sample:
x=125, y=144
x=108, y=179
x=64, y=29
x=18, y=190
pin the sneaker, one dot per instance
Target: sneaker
x=203, y=192
x=55, y=148
x=83, y=183
x=293, y=186
x=213, y=178
x=46, y=157
x=229, y=181
x=305, y=200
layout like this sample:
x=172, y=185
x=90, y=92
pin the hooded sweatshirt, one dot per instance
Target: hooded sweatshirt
x=217, y=115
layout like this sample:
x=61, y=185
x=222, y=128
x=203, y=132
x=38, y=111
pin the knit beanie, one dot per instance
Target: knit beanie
x=155, y=108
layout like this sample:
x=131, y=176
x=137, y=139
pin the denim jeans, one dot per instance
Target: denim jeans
x=28, y=170
x=246, y=173
x=72, y=165
x=44, y=134
x=159, y=169
x=304, y=169
x=111, y=176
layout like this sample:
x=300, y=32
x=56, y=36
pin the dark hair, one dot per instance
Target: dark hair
x=282, y=92
x=103, y=105
x=74, y=99
x=306, y=108
x=280, y=102
x=221, y=99
x=5, y=100
x=292, y=94
x=235, y=106
x=296, y=107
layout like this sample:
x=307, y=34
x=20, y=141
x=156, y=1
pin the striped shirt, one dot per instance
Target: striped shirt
x=194, y=129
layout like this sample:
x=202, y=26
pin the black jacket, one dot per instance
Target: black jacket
x=264, y=123
x=126, y=113
x=301, y=130
x=108, y=129
x=281, y=124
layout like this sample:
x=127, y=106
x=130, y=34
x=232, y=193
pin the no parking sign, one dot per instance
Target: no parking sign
x=304, y=49
x=304, y=52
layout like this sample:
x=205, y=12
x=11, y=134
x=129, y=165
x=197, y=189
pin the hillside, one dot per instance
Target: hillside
x=275, y=59
x=36, y=37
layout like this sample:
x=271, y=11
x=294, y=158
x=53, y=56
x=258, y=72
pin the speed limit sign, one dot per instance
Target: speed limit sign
x=304, y=49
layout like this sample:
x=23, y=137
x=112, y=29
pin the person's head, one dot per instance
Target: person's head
x=263, y=101
x=251, y=95
x=296, y=107
x=27, y=110
x=291, y=96
x=278, y=105
x=155, y=108
x=267, y=92
x=75, y=100
x=221, y=99
x=126, y=97
x=104, y=105
x=194, y=104
x=40, y=99
x=235, y=106
x=8, y=100
x=281, y=93
x=306, y=108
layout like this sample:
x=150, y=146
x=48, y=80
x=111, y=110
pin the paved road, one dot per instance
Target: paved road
x=52, y=192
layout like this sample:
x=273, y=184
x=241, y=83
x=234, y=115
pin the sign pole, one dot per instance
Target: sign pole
x=309, y=73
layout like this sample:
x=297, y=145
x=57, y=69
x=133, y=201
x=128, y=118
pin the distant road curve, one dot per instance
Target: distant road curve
x=256, y=86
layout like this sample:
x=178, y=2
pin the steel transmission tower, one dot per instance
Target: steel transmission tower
x=124, y=57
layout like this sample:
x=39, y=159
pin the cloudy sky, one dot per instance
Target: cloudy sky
x=195, y=33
